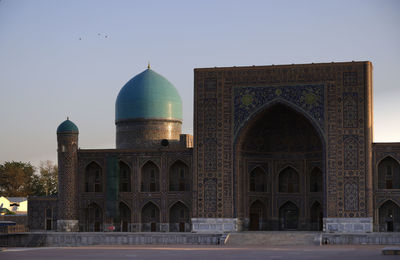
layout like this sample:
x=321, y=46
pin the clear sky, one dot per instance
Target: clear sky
x=70, y=58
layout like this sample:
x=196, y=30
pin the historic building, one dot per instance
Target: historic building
x=285, y=147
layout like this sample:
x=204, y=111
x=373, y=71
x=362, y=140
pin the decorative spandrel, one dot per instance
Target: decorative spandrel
x=248, y=100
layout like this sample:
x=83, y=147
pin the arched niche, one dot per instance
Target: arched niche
x=179, y=177
x=150, y=217
x=94, y=218
x=316, y=180
x=316, y=221
x=93, y=178
x=388, y=173
x=258, y=180
x=179, y=218
x=288, y=140
x=289, y=180
x=150, y=177
x=125, y=177
x=124, y=217
x=257, y=216
x=389, y=217
x=288, y=216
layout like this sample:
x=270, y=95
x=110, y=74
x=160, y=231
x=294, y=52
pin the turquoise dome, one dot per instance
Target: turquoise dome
x=67, y=127
x=148, y=95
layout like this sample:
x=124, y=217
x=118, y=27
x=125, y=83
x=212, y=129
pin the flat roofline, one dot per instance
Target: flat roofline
x=386, y=143
x=133, y=150
x=284, y=65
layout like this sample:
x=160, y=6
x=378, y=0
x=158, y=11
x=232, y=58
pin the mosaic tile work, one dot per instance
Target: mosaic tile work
x=248, y=100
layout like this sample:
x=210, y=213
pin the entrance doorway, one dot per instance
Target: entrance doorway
x=257, y=213
x=289, y=216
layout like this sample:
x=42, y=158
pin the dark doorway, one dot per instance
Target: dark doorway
x=178, y=217
x=316, y=216
x=125, y=217
x=389, y=226
x=181, y=226
x=150, y=217
x=94, y=218
x=153, y=227
x=254, y=221
x=257, y=215
x=389, y=217
x=289, y=216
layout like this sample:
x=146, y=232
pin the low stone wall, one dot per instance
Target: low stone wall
x=61, y=239
x=378, y=238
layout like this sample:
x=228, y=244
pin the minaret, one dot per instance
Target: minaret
x=67, y=140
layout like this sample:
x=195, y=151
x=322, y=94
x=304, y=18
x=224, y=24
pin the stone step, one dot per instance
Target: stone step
x=274, y=238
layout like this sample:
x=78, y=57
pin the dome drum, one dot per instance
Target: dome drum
x=146, y=133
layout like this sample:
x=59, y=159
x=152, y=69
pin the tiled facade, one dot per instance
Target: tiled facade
x=284, y=147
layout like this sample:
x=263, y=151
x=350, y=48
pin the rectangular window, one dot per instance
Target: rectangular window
x=389, y=184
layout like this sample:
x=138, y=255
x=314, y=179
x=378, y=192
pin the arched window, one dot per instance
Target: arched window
x=125, y=217
x=389, y=217
x=150, y=217
x=94, y=218
x=389, y=174
x=289, y=181
x=258, y=180
x=93, y=178
x=179, y=219
x=124, y=177
x=179, y=178
x=316, y=180
x=150, y=181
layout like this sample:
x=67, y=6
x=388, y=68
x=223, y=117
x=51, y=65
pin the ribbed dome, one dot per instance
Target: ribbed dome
x=149, y=96
x=67, y=127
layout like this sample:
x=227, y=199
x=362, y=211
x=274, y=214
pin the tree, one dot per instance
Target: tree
x=16, y=179
x=48, y=178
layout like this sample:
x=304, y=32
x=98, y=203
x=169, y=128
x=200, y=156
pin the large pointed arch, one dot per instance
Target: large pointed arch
x=271, y=134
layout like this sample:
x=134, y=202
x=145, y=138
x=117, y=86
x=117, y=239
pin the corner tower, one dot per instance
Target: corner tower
x=148, y=109
x=67, y=140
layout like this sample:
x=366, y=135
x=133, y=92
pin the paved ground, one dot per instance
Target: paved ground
x=197, y=252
